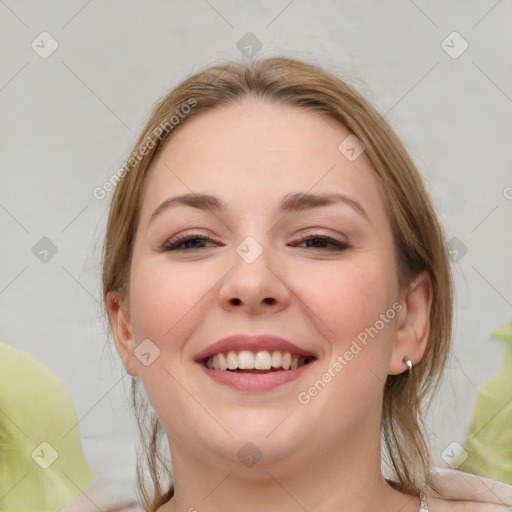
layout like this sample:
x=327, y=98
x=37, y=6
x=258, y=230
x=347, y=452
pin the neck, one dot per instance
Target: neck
x=317, y=478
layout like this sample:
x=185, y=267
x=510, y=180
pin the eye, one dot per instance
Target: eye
x=193, y=241
x=323, y=242
x=179, y=242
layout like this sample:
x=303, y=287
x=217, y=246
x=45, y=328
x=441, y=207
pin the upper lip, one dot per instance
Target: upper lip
x=254, y=343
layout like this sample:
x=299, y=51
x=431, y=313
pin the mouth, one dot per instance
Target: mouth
x=260, y=362
x=254, y=362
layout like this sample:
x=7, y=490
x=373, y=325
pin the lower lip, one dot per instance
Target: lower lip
x=255, y=382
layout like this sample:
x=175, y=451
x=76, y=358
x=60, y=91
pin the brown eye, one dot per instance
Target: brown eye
x=324, y=242
x=178, y=243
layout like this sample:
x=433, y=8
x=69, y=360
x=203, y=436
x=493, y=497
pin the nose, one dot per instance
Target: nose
x=255, y=287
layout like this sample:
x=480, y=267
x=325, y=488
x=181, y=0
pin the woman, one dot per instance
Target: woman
x=276, y=279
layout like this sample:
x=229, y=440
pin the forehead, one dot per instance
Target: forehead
x=255, y=152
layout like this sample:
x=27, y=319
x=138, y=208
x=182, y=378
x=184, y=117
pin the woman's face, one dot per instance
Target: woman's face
x=263, y=270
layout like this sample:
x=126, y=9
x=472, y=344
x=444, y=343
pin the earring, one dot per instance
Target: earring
x=408, y=363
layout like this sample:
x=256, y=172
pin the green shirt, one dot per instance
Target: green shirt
x=42, y=466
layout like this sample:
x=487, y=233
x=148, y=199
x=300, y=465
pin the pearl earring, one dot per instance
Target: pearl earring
x=408, y=363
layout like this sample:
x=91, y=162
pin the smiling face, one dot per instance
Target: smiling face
x=325, y=275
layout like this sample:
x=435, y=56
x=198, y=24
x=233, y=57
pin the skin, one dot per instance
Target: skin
x=321, y=456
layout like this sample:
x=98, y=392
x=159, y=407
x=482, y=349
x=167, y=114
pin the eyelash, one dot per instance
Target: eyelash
x=174, y=244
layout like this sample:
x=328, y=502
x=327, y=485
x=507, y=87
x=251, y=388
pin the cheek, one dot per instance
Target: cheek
x=167, y=304
x=347, y=301
x=162, y=297
x=348, y=298
x=353, y=306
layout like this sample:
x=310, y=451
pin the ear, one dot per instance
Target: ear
x=412, y=324
x=120, y=325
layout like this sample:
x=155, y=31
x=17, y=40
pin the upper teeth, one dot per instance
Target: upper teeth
x=262, y=360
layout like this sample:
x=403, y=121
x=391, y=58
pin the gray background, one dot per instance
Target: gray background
x=70, y=119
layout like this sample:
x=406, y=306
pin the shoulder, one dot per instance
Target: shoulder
x=442, y=505
x=461, y=491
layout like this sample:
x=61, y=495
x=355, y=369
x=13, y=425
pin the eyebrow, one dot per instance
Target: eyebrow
x=290, y=203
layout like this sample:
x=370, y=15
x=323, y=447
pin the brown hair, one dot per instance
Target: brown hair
x=418, y=236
